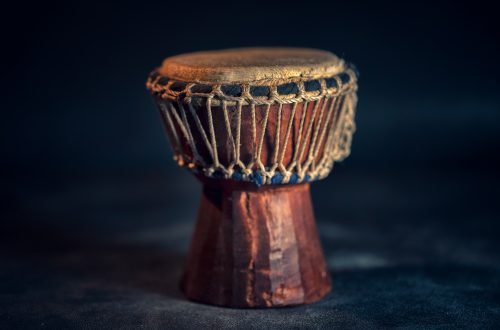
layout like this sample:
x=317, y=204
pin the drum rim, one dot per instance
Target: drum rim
x=258, y=66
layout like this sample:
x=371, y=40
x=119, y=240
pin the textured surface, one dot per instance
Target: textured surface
x=255, y=248
x=252, y=65
x=109, y=252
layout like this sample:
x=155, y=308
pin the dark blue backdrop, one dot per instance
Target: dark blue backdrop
x=96, y=217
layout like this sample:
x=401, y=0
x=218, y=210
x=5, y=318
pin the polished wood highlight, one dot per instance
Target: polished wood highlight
x=255, y=247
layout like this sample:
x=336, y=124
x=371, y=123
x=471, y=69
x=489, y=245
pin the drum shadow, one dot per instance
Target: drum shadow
x=86, y=260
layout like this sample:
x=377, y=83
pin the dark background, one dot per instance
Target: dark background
x=96, y=217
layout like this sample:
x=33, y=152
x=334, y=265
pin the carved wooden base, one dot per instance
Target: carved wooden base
x=255, y=247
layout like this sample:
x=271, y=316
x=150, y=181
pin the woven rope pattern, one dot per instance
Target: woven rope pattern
x=190, y=110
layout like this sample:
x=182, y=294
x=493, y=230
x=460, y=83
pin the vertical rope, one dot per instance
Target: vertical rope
x=349, y=126
x=331, y=111
x=229, y=133
x=172, y=130
x=212, y=133
x=277, y=140
x=330, y=140
x=238, y=136
x=201, y=130
x=178, y=120
x=316, y=131
x=254, y=138
x=338, y=128
x=259, y=150
x=287, y=136
x=191, y=141
x=303, y=113
x=311, y=121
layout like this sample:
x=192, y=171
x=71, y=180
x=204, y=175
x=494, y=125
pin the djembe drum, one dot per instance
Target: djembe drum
x=256, y=126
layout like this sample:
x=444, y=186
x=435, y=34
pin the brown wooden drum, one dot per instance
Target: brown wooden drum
x=256, y=125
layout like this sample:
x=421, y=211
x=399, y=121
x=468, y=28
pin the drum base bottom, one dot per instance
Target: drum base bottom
x=255, y=247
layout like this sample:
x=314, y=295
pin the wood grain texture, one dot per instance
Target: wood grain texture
x=255, y=247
